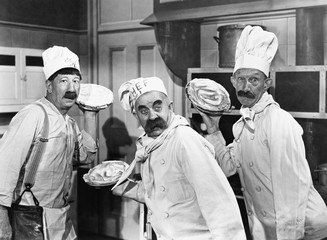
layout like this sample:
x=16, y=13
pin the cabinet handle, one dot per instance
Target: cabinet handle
x=23, y=78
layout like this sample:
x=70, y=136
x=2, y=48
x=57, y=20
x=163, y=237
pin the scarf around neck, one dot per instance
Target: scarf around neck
x=248, y=114
x=145, y=145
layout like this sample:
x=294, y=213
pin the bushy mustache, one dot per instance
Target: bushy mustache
x=70, y=95
x=158, y=122
x=246, y=94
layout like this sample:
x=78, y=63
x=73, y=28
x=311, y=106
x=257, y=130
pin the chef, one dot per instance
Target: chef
x=268, y=152
x=187, y=195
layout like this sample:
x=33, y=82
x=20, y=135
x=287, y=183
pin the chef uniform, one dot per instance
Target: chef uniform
x=53, y=176
x=268, y=153
x=186, y=193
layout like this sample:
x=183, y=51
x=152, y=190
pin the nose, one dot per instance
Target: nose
x=246, y=85
x=152, y=114
x=71, y=86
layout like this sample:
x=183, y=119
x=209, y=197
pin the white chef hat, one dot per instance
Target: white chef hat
x=255, y=48
x=56, y=58
x=131, y=90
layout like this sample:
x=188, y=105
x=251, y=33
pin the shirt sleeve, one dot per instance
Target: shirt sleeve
x=213, y=192
x=88, y=147
x=14, y=147
x=135, y=191
x=224, y=155
x=291, y=178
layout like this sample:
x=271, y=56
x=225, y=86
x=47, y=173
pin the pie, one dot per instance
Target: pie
x=94, y=97
x=106, y=173
x=208, y=96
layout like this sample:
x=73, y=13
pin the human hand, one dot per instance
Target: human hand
x=5, y=228
x=211, y=121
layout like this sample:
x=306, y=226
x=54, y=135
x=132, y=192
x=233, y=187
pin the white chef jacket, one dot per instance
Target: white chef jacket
x=276, y=181
x=187, y=195
x=53, y=177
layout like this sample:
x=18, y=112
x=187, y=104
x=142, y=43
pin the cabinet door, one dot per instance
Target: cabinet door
x=33, y=80
x=10, y=86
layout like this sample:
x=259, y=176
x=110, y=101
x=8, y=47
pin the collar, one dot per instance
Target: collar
x=248, y=114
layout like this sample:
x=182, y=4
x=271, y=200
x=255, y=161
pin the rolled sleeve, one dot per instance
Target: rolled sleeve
x=88, y=147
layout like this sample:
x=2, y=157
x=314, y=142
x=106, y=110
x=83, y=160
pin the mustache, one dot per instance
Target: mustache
x=246, y=94
x=70, y=95
x=158, y=122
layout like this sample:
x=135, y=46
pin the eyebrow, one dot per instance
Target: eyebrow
x=157, y=102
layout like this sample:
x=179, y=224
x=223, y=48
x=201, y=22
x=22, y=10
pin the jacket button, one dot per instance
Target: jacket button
x=166, y=215
x=149, y=212
x=162, y=161
x=264, y=213
x=242, y=189
x=251, y=164
x=258, y=188
x=162, y=188
x=249, y=212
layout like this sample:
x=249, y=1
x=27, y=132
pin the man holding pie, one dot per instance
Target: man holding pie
x=64, y=145
x=268, y=152
x=186, y=193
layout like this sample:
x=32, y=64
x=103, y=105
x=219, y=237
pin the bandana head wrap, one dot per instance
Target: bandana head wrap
x=131, y=90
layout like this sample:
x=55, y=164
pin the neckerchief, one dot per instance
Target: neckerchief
x=248, y=115
x=145, y=145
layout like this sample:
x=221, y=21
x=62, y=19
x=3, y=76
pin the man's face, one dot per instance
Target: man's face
x=153, y=111
x=63, y=91
x=250, y=84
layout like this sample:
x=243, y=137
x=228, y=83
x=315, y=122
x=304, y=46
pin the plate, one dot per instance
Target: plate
x=106, y=173
x=94, y=97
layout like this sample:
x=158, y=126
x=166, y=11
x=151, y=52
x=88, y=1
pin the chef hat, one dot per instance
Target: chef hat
x=131, y=90
x=256, y=48
x=56, y=58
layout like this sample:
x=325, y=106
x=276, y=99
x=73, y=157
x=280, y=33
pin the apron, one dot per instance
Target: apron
x=57, y=224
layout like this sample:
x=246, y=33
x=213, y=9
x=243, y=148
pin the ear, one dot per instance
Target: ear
x=268, y=83
x=48, y=85
x=233, y=81
x=170, y=106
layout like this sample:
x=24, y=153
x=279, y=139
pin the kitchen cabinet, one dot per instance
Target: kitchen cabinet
x=21, y=77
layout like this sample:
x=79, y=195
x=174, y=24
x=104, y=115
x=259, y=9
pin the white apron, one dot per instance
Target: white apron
x=57, y=225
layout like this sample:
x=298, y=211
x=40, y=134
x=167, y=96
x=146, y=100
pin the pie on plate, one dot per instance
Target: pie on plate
x=106, y=173
x=94, y=97
x=208, y=96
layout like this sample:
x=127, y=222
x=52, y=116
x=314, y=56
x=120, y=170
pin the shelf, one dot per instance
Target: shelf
x=300, y=90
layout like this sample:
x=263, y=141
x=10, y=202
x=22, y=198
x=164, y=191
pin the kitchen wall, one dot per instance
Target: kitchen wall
x=282, y=23
x=42, y=24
